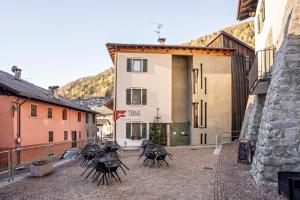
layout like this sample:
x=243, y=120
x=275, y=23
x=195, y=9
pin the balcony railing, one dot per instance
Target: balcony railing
x=261, y=68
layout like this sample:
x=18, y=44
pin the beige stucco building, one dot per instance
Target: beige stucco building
x=188, y=88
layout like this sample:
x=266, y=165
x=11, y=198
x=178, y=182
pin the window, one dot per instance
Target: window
x=94, y=119
x=195, y=81
x=136, y=131
x=65, y=114
x=195, y=114
x=87, y=118
x=135, y=96
x=65, y=135
x=137, y=65
x=49, y=113
x=50, y=136
x=33, y=110
x=79, y=117
x=203, y=114
x=203, y=138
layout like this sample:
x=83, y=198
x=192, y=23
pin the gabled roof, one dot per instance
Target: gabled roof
x=246, y=9
x=231, y=37
x=165, y=49
x=22, y=88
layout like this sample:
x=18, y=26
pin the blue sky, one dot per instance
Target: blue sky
x=57, y=41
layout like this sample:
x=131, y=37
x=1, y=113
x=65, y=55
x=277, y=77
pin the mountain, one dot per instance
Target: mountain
x=100, y=85
x=243, y=31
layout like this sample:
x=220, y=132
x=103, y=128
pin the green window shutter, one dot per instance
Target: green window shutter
x=128, y=130
x=145, y=65
x=144, y=130
x=129, y=61
x=144, y=97
x=128, y=96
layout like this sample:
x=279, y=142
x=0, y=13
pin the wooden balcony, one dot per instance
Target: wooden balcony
x=261, y=71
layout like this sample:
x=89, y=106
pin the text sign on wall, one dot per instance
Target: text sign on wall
x=134, y=113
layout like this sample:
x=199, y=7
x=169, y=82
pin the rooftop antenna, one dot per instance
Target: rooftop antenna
x=157, y=31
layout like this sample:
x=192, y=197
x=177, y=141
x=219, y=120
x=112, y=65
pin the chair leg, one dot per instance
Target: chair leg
x=94, y=174
x=118, y=176
x=123, y=170
x=105, y=175
x=102, y=177
x=111, y=174
x=86, y=169
x=97, y=176
x=90, y=173
x=82, y=162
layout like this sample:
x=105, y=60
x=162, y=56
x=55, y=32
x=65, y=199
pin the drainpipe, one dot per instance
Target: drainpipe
x=115, y=96
x=19, y=117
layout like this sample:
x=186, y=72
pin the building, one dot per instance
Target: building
x=32, y=116
x=104, y=121
x=272, y=118
x=241, y=60
x=187, y=90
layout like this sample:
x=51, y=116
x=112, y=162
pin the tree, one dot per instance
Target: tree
x=155, y=130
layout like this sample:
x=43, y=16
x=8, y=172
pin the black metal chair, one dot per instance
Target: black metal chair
x=105, y=165
x=93, y=164
x=87, y=153
x=154, y=154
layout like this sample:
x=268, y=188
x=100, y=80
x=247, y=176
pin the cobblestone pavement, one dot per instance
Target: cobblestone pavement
x=189, y=176
x=233, y=181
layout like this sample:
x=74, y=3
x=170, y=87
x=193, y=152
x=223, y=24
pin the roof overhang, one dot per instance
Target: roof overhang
x=109, y=104
x=113, y=48
x=246, y=9
x=230, y=36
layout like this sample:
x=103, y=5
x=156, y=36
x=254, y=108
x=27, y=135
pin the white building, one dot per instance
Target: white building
x=189, y=88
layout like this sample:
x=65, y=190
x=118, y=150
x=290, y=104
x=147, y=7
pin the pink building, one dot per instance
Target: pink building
x=31, y=115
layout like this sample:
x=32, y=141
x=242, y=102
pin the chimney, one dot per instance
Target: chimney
x=17, y=72
x=161, y=40
x=54, y=91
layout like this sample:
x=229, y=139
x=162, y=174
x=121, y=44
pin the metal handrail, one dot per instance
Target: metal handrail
x=261, y=67
x=219, y=137
x=11, y=165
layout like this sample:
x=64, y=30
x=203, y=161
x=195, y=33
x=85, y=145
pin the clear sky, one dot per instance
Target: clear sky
x=57, y=41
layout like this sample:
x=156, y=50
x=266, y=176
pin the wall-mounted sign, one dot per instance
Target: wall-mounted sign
x=244, y=151
x=118, y=114
x=134, y=113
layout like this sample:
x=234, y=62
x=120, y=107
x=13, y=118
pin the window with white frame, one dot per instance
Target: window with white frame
x=136, y=130
x=136, y=96
x=137, y=65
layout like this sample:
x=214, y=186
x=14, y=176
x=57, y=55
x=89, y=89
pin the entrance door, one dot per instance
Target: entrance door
x=74, y=138
x=161, y=131
x=180, y=134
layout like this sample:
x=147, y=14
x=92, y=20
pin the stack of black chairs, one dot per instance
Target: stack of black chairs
x=154, y=154
x=88, y=153
x=110, y=146
x=103, y=165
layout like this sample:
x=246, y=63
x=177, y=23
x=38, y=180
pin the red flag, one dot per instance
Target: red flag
x=118, y=114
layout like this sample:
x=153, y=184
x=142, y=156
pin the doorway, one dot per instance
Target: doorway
x=74, y=138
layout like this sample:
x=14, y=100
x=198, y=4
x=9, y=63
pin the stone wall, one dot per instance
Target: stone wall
x=278, y=146
x=252, y=120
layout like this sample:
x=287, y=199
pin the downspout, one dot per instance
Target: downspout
x=19, y=117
